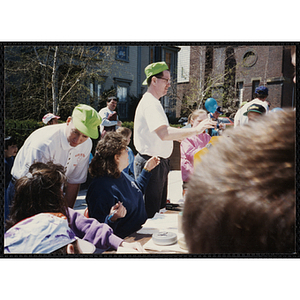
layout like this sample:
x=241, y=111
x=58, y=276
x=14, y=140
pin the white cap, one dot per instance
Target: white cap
x=48, y=117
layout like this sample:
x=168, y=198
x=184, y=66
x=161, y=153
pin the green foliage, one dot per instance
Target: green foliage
x=128, y=124
x=20, y=130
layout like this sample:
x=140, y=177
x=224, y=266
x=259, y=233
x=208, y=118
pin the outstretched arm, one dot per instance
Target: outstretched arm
x=167, y=133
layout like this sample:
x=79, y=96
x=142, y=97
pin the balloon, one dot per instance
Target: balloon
x=211, y=105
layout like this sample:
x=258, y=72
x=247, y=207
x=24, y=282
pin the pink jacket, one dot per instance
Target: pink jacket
x=188, y=148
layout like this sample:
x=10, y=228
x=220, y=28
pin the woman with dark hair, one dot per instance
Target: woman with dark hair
x=41, y=191
x=37, y=192
x=114, y=197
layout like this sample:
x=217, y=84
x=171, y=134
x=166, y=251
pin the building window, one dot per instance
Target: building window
x=122, y=93
x=122, y=87
x=152, y=55
x=255, y=84
x=169, y=59
x=249, y=58
x=91, y=89
x=98, y=90
x=240, y=87
x=122, y=53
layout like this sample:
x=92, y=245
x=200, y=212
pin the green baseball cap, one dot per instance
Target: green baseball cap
x=255, y=108
x=86, y=119
x=154, y=69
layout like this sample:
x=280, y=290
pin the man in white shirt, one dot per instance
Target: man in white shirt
x=109, y=117
x=261, y=94
x=154, y=137
x=68, y=144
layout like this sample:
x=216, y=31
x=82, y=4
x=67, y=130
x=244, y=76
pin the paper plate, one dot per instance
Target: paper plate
x=164, y=238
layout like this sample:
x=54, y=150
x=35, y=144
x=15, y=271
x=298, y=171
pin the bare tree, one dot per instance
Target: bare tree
x=36, y=74
x=204, y=82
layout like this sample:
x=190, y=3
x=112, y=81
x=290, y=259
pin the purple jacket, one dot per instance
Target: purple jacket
x=188, y=148
x=99, y=234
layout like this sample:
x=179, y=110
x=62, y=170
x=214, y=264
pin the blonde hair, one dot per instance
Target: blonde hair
x=195, y=114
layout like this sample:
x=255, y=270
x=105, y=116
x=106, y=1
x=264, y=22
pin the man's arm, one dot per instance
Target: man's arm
x=167, y=133
x=71, y=194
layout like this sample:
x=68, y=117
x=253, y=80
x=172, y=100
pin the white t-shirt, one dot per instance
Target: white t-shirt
x=149, y=116
x=50, y=143
x=239, y=116
x=104, y=113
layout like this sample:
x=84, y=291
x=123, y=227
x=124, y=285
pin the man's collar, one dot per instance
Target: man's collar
x=63, y=137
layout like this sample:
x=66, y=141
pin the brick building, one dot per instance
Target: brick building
x=249, y=66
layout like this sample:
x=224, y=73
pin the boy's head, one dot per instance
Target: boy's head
x=126, y=133
x=10, y=146
x=261, y=93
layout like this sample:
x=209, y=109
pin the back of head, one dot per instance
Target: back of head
x=196, y=113
x=261, y=92
x=241, y=197
x=126, y=132
x=103, y=163
x=39, y=191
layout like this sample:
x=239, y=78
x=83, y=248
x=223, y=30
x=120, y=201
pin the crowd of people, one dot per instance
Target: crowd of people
x=239, y=198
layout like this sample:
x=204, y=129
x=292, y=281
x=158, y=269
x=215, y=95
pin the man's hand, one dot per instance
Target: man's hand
x=205, y=124
x=152, y=163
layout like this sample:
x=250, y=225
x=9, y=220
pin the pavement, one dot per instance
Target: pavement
x=174, y=192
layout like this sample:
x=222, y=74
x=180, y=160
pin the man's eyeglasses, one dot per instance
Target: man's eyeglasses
x=166, y=79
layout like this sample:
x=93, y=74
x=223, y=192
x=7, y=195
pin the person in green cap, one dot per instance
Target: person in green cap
x=68, y=144
x=254, y=112
x=154, y=137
